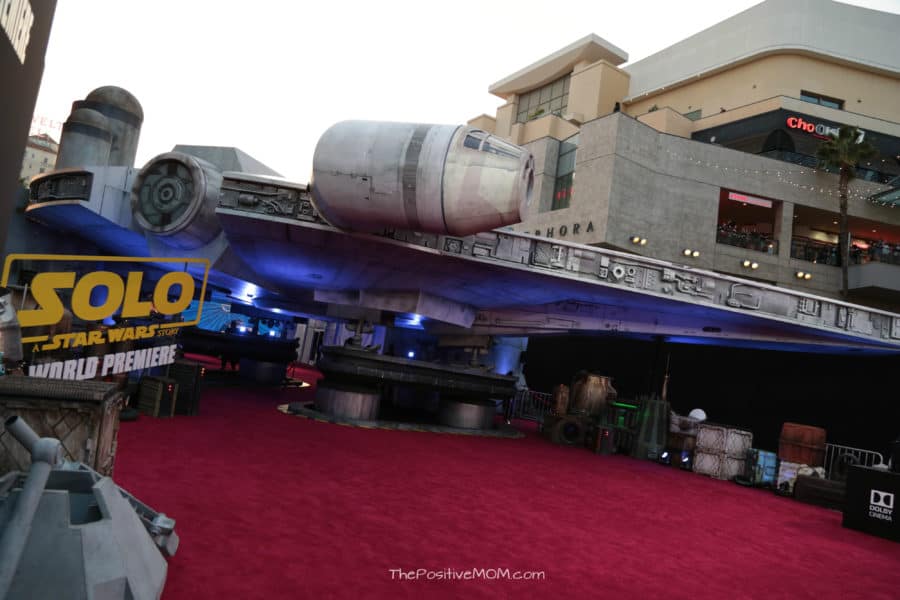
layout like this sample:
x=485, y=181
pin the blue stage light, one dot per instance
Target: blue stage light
x=410, y=354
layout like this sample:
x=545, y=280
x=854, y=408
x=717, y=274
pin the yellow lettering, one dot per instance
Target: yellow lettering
x=95, y=337
x=81, y=297
x=43, y=288
x=115, y=335
x=55, y=344
x=128, y=335
x=80, y=339
x=132, y=306
x=161, y=293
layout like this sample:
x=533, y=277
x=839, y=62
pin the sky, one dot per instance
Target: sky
x=270, y=76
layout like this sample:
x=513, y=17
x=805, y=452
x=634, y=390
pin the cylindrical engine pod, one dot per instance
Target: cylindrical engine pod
x=174, y=197
x=368, y=176
x=125, y=116
x=85, y=140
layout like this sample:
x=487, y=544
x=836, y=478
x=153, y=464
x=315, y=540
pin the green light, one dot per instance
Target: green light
x=623, y=405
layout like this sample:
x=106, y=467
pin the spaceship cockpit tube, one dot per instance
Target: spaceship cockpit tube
x=369, y=176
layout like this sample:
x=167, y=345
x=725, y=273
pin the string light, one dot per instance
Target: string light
x=785, y=176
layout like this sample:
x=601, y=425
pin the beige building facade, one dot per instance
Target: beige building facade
x=40, y=156
x=704, y=153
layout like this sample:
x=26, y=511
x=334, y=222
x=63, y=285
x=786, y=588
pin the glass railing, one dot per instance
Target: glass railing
x=824, y=253
x=821, y=253
x=884, y=253
x=812, y=162
x=751, y=241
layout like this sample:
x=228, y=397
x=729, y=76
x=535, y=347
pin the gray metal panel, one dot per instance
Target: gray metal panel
x=496, y=270
x=227, y=158
x=51, y=536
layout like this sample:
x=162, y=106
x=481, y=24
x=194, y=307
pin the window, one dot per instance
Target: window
x=694, y=114
x=748, y=221
x=563, y=187
x=473, y=140
x=480, y=140
x=551, y=98
x=814, y=98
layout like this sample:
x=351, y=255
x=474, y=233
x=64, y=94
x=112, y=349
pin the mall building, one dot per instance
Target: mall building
x=704, y=153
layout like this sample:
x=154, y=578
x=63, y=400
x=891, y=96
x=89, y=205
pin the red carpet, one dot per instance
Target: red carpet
x=275, y=506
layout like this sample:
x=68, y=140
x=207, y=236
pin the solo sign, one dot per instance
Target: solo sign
x=819, y=130
x=98, y=295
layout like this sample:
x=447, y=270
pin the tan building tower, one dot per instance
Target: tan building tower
x=40, y=156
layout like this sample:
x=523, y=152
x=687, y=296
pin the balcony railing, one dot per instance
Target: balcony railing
x=824, y=253
x=821, y=253
x=751, y=241
x=813, y=163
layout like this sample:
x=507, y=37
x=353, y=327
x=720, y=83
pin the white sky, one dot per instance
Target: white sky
x=269, y=76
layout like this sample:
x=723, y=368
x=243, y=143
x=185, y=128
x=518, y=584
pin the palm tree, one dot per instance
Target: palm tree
x=843, y=152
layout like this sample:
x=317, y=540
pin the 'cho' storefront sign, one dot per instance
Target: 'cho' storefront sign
x=172, y=294
x=819, y=130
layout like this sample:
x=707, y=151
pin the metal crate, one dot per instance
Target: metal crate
x=189, y=375
x=156, y=396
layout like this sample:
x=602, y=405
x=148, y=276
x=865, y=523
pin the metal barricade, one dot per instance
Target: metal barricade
x=839, y=458
x=530, y=405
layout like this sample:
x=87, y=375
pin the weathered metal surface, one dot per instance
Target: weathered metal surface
x=263, y=372
x=347, y=403
x=467, y=415
x=590, y=394
x=124, y=116
x=100, y=540
x=519, y=284
x=10, y=332
x=45, y=454
x=751, y=310
x=82, y=415
x=85, y=140
x=432, y=178
x=343, y=363
x=266, y=195
x=175, y=197
x=561, y=399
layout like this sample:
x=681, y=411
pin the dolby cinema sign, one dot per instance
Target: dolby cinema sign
x=96, y=296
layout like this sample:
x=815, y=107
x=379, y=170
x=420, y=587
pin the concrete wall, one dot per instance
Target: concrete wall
x=484, y=122
x=846, y=33
x=595, y=88
x=863, y=92
x=632, y=180
x=667, y=120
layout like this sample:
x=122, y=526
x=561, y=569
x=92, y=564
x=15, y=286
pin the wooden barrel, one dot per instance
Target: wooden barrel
x=590, y=394
x=561, y=399
x=802, y=444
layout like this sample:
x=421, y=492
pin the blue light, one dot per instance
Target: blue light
x=272, y=333
x=415, y=319
x=242, y=329
x=410, y=354
x=665, y=455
